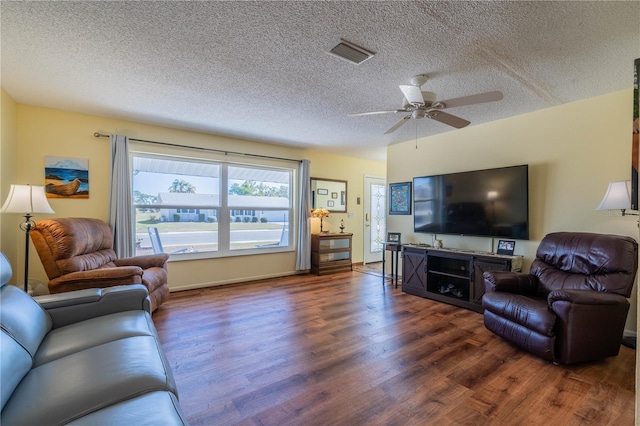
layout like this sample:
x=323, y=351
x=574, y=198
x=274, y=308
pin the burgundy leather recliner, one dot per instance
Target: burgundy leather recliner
x=572, y=305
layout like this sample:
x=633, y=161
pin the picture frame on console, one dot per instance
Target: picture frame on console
x=506, y=247
x=393, y=237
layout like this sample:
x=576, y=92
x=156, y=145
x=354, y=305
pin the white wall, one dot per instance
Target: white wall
x=573, y=152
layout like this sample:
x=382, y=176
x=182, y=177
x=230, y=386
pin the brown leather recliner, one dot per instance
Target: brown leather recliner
x=572, y=305
x=77, y=253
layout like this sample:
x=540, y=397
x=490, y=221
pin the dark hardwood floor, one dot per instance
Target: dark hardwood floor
x=345, y=349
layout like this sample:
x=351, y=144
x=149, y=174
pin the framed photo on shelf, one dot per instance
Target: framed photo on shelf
x=506, y=247
x=400, y=198
x=393, y=237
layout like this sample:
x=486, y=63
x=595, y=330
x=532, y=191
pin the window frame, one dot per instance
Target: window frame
x=224, y=248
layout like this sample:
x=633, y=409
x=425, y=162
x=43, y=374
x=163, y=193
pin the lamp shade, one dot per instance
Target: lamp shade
x=617, y=197
x=26, y=199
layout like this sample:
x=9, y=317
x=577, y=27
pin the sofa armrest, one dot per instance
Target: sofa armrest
x=101, y=274
x=586, y=297
x=509, y=282
x=74, y=306
x=96, y=278
x=584, y=317
x=145, y=262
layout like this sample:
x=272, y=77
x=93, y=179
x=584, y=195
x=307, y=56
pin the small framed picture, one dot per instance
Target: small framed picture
x=393, y=237
x=506, y=247
x=330, y=203
x=323, y=191
x=334, y=195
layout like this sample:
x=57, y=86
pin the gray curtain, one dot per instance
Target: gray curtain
x=120, y=207
x=303, y=258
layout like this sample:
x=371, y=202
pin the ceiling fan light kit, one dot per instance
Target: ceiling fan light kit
x=421, y=104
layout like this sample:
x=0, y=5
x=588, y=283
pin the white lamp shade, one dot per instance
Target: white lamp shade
x=26, y=199
x=617, y=197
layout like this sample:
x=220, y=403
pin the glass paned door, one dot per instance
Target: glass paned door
x=375, y=223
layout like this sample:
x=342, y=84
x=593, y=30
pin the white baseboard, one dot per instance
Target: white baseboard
x=235, y=281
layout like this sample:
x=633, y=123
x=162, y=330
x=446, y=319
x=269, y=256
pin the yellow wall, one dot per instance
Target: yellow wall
x=8, y=148
x=42, y=131
x=573, y=152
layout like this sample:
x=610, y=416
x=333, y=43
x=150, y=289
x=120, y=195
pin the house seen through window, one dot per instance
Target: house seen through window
x=184, y=205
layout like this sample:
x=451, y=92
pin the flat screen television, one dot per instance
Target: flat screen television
x=489, y=203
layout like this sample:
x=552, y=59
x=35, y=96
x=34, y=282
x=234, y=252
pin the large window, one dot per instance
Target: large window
x=184, y=205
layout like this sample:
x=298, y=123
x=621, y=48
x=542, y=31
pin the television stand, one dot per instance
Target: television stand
x=451, y=276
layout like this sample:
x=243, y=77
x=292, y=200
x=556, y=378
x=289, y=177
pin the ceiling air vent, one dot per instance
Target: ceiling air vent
x=350, y=52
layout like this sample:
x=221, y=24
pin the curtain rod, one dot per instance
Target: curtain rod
x=101, y=135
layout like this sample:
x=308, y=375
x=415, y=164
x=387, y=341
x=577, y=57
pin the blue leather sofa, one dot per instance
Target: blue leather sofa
x=87, y=357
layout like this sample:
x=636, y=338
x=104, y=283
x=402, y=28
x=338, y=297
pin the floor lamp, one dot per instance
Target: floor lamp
x=618, y=197
x=26, y=199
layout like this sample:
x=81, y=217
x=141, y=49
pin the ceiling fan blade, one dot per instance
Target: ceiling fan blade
x=398, y=124
x=413, y=94
x=358, y=114
x=473, y=99
x=449, y=119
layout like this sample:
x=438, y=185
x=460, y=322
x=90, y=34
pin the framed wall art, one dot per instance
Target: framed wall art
x=66, y=177
x=330, y=194
x=400, y=198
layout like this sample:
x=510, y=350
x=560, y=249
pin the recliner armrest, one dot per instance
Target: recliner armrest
x=586, y=297
x=74, y=306
x=509, y=282
x=101, y=274
x=158, y=260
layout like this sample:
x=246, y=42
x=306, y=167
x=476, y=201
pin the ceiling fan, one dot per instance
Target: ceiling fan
x=421, y=104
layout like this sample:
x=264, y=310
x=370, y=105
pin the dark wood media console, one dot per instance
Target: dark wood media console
x=451, y=276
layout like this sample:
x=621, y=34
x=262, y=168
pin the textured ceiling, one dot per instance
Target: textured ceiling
x=258, y=70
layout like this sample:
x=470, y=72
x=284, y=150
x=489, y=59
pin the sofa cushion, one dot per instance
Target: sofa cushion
x=150, y=409
x=23, y=318
x=65, y=238
x=521, y=336
x=528, y=312
x=83, y=335
x=586, y=261
x=15, y=362
x=86, y=381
